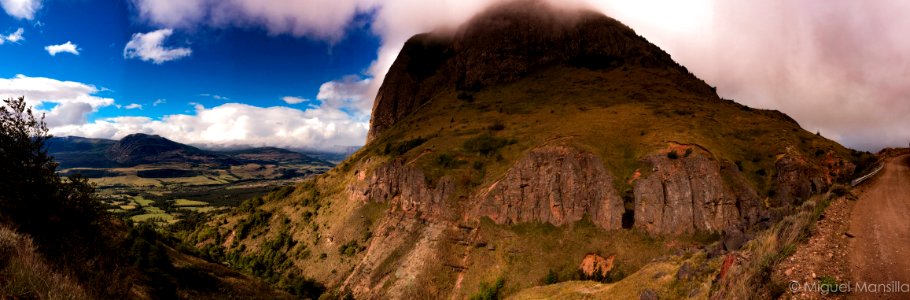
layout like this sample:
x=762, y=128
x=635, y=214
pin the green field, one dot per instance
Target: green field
x=185, y=202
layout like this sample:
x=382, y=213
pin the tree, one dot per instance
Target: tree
x=32, y=196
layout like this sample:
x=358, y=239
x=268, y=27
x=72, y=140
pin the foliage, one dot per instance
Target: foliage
x=673, y=154
x=404, y=147
x=490, y=291
x=485, y=144
x=551, y=277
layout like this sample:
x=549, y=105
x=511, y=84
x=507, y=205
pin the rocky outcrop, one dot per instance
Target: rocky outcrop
x=405, y=188
x=693, y=193
x=797, y=178
x=593, y=265
x=505, y=44
x=556, y=185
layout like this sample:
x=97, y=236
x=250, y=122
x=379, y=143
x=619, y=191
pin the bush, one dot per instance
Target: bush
x=688, y=152
x=408, y=145
x=448, y=161
x=490, y=291
x=673, y=154
x=350, y=248
x=550, y=278
x=497, y=126
x=486, y=144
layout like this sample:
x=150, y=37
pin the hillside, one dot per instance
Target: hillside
x=139, y=148
x=507, y=150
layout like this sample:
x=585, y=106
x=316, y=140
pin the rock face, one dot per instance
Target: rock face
x=556, y=185
x=503, y=45
x=797, y=179
x=594, y=265
x=405, y=188
x=691, y=194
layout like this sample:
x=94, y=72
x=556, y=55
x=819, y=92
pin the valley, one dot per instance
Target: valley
x=151, y=179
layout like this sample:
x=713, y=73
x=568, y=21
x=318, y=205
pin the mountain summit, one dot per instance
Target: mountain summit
x=512, y=148
x=505, y=44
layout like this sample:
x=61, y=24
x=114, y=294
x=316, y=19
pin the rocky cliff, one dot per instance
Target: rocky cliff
x=524, y=140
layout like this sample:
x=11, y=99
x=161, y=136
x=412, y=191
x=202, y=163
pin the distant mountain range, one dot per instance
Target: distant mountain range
x=137, y=149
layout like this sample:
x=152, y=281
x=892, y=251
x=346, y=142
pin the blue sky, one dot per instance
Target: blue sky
x=243, y=65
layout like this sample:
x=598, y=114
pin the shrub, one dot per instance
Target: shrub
x=408, y=145
x=490, y=291
x=350, y=248
x=486, y=144
x=673, y=154
x=688, y=152
x=497, y=126
x=550, y=278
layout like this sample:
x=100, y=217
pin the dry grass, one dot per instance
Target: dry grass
x=752, y=277
x=24, y=274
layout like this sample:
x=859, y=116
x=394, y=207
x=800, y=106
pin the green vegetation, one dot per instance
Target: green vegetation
x=65, y=245
x=403, y=147
x=485, y=144
x=490, y=291
x=551, y=277
x=772, y=246
x=350, y=248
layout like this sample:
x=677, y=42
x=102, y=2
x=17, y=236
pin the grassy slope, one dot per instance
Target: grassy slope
x=620, y=115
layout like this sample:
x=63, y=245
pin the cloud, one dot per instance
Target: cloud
x=71, y=101
x=293, y=99
x=150, y=47
x=21, y=9
x=235, y=124
x=133, y=106
x=216, y=97
x=159, y=102
x=319, y=19
x=67, y=47
x=13, y=37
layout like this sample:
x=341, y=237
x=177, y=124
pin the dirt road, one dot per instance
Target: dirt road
x=880, y=251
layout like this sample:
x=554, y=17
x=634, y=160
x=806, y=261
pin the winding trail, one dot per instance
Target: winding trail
x=880, y=251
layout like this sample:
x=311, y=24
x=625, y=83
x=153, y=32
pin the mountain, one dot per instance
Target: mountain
x=516, y=146
x=135, y=149
x=74, y=151
x=272, y=154
x=141, y=148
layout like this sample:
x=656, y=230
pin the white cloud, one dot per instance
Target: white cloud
x=159, y=102
x=351, y=93
x=13, y=37
x=133, y=106
x=71, y=101
x=67, y=47
x=21, y=9
x=150, y=47
x=294, y=99
x=235, y=124
x=216, y=97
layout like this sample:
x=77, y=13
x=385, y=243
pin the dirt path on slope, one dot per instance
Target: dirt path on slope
x=880, y=251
